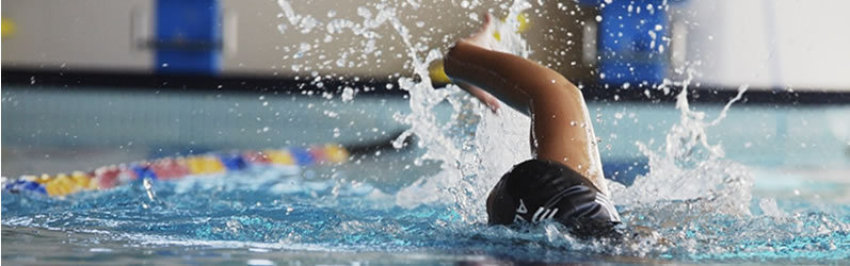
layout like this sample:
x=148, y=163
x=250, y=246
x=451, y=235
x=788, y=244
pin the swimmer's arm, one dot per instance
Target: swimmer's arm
x=555, y=105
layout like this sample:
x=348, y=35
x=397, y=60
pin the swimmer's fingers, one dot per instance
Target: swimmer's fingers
x=485, y=97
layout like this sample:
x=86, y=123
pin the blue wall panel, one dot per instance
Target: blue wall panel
x=188, y=36
x=632, y=41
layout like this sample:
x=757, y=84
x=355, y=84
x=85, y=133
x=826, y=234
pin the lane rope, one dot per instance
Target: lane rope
x=170, y=168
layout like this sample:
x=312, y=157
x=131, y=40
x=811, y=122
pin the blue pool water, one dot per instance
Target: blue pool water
x=418, y=210
x=267, y=209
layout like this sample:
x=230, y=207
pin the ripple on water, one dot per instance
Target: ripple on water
x=236, y=215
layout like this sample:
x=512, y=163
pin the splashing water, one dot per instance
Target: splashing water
x=692, y=205
x=688, y=177
x=465, y=175
x=473, y=131
x=689, y=168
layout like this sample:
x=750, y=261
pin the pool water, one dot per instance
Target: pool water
x=693, y=183
x=695, y=208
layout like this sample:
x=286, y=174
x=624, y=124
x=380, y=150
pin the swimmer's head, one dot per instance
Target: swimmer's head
x=536, y=191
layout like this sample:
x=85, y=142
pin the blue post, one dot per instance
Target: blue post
x=633, y=41
x=188, y=36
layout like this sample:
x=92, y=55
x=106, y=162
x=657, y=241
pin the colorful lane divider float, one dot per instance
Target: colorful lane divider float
x=108, y=177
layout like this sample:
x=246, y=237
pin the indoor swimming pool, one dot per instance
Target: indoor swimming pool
x=729, y=181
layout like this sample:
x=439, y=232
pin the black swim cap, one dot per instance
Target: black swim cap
x=539, y=190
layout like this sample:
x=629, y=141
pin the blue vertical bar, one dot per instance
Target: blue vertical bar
x=188, y=36
x=633, y=42
x=633, y=39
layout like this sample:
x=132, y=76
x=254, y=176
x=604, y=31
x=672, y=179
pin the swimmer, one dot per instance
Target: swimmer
x=564, y=181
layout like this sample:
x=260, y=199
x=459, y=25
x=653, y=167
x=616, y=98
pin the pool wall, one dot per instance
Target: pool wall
x=755, y=43
x=255, y=40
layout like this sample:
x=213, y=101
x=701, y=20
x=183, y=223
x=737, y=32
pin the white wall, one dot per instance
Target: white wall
x=109, y=35
x=262, y=49
x=801, y=44
x=79, y=34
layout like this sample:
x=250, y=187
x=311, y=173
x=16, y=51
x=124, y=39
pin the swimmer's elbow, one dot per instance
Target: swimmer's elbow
x=551, y=84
